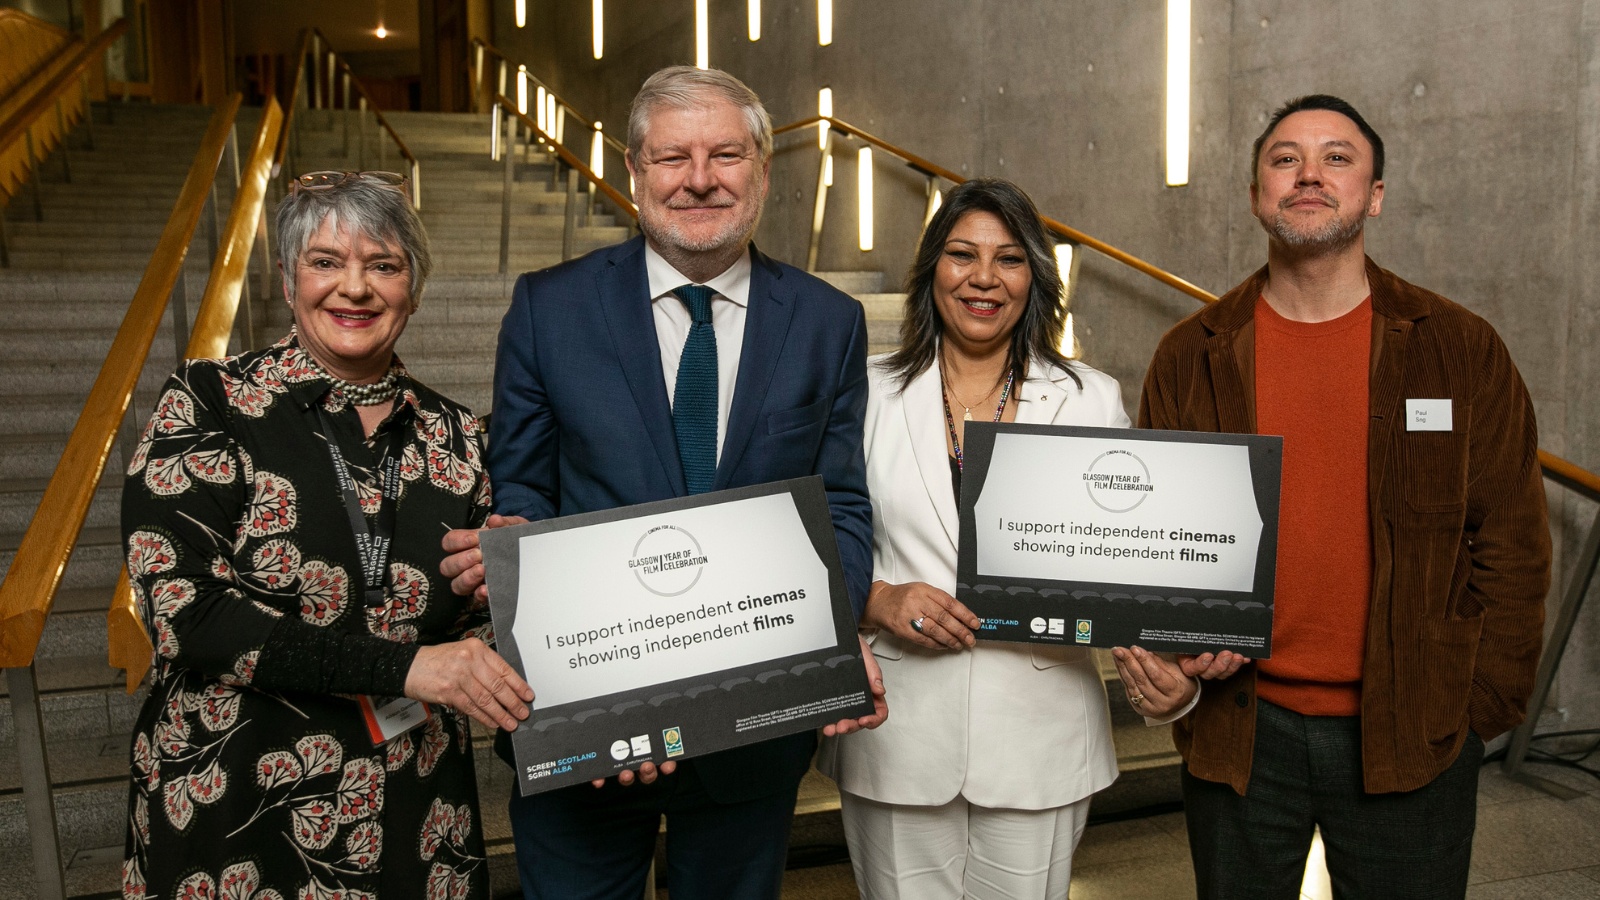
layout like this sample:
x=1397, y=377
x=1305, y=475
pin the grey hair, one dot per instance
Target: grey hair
x=379, y=211
x=686, y=87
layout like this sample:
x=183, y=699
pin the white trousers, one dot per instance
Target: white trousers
x=960, y=850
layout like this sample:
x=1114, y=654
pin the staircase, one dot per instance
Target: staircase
x=72, y=276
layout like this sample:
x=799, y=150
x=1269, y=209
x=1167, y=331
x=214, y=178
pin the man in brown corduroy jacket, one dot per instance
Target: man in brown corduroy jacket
x=1414, y=553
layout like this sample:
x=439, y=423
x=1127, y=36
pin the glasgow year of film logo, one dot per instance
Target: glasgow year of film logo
x=1118, y=481
x=667, y=560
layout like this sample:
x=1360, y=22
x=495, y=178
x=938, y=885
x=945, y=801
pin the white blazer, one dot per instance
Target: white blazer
x=1002, y=725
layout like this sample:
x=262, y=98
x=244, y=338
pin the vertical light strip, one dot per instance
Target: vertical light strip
x=561, y=124
x=522, y=13
x=1177, y=92
x=755, y=19
x=597, y=155
x=824, y=22
x=702, y=36
x=522, y=89
x=824, y=108
x=539, y=116
x=864, y=197
x=550, y=115
x=1069, y=338
x=599, y=28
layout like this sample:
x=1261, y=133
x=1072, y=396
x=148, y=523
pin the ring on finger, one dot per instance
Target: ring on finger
x=1136, y=698
x=916, y=624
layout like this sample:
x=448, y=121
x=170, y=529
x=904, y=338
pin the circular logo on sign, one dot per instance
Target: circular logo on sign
x=667, y=560
x=619, y=750
x=1117, y=481
x=1037, y=625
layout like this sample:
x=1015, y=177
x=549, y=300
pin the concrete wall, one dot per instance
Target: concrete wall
x=1490, y=110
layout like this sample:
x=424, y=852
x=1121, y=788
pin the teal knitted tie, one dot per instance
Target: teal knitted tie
x=694, y=399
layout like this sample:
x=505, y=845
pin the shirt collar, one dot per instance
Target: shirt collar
x=734, y=284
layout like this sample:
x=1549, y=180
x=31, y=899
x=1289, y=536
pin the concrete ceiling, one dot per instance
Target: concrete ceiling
x=273, y=26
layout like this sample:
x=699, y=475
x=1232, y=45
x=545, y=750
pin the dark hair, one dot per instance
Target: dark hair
x=1038, y=332
x=1331, y=104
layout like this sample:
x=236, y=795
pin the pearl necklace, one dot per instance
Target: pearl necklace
x=381, y=391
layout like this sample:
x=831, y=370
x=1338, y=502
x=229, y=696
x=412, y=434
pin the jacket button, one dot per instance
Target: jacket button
x=1242, y=699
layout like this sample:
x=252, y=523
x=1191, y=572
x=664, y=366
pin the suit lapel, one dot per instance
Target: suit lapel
x=766, y=326
x=625, y=302
x=923, y=406
x=1040, y=400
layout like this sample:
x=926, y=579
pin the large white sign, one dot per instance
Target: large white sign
x=624, y=605
x=1066, y=508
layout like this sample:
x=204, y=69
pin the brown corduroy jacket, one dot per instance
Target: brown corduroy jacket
x=1460, y=541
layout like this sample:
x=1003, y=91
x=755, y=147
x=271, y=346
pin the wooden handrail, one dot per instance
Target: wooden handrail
x=567, y=156
x=30, y=585
x=128, y=646
x=1570, y=475
x=18, y=123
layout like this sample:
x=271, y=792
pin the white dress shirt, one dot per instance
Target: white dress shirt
x=727, y=321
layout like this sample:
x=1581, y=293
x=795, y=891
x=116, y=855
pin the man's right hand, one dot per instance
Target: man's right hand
x=463, y=562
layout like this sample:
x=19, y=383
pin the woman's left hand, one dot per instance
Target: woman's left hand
x=1157, y=687
x=469, y=676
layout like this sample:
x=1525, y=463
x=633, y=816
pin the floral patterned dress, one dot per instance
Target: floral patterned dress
x=253, y=775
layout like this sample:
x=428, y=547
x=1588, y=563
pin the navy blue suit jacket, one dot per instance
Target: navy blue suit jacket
x=582, y=422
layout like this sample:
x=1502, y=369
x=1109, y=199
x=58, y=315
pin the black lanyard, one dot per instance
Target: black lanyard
x=372, y=544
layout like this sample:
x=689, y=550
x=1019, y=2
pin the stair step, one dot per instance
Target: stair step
x=854, y=283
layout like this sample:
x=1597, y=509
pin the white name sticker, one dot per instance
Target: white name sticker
x=390, y=717
x=1428, y=415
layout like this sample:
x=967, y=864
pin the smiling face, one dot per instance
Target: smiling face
x=980, y=286
x=1314, y=188
x=700, y=181
x=351, y=301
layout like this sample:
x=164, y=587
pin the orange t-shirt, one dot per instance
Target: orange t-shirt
x=1311, y=388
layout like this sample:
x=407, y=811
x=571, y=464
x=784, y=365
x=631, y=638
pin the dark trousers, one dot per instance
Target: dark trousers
x=1306, y=772
x=579, y=843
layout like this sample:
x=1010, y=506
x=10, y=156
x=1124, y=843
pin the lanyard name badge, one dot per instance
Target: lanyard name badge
x=386, y=717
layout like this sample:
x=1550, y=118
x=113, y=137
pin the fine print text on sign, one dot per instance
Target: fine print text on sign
x=674, y=629
x=1114, y=537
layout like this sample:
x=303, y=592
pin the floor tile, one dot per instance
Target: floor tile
x=1531, y=837
x=1550, y=886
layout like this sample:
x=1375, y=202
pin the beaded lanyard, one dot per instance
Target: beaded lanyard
x=950, y=420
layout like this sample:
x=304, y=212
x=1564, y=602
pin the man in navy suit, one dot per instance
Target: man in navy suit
x=604, y=365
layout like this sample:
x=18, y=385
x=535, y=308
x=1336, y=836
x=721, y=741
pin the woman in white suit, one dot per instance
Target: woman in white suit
x=978, y=785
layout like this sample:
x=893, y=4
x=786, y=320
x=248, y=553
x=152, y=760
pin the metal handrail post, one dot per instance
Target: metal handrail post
x=1550, y=662
x=179, y=306
x=821, y=208
x=569, y=226
x=494, y=133
x=477, y=77
x=505, y=195
x=346, y=117
x=316, y=72
x=49, y=876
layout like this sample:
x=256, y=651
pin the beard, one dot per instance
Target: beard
x=1336, y=234
x=668, y=233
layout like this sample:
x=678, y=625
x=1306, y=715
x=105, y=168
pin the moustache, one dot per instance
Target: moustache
x=715, y=201
x=1303, y=195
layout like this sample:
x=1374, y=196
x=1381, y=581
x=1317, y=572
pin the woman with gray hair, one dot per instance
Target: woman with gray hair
x=306, y=732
